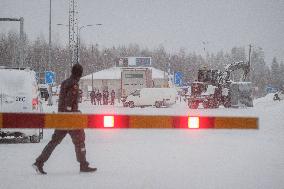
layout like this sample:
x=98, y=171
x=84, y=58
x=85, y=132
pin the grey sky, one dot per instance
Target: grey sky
x=173, y=23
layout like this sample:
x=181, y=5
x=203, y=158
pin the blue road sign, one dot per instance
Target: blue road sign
x=49, y=77
x=178, y=78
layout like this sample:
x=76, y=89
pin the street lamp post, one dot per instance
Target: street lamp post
x=65, y=72
x=79, y=38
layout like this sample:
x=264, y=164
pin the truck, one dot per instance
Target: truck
x=214, y=88
x=158, y=97
x=133, y=78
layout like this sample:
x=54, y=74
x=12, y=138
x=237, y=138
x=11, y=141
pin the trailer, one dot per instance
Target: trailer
x=133, y=78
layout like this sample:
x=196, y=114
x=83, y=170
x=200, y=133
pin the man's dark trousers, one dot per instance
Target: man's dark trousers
x=78, y=139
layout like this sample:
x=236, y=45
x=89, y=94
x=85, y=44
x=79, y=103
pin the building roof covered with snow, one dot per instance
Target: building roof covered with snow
x=115, y=73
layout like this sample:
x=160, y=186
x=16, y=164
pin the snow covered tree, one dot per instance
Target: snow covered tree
x=160, y=58
x=9, y=49
x=94, y=58
x=259, y=72
x=282, y=75
x=219, y=60
x=237, y=54
x=276, y=74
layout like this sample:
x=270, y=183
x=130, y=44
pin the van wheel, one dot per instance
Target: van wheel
x=34, y=139
x=131, y=104
x=157, y=104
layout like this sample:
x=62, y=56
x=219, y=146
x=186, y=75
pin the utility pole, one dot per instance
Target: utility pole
x=49, y=37
x=21, y=41
x=49, y=103
x=249, y=61
x=250, y=46
x=92, y=81
x=73, y=31
x=169, y=70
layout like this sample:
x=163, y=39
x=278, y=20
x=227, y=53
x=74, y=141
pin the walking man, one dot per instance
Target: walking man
x=68, y=102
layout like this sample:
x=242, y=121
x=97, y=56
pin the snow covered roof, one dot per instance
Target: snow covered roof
x=115, y=73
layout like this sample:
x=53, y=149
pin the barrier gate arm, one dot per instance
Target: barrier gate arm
x=82, y=121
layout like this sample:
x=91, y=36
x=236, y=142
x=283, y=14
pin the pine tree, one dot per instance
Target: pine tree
x=259, y=72
x=281, y=76
x=275, y=71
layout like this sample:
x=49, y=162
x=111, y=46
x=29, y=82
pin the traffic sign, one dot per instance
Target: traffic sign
x=178, y=78
x=49, y=77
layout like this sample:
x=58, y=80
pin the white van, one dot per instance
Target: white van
x=19, y=92
x=151, y=97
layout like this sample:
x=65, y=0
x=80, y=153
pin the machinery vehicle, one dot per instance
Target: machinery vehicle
x=279, y=95
x=157, y=97
x=214, y=88
x=19, y=92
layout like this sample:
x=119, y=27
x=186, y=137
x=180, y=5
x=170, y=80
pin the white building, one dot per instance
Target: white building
x=110, y=79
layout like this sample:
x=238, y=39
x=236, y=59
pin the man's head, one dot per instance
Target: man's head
x=77, y=70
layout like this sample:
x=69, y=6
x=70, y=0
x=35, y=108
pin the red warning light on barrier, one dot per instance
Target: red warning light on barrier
x=193, y=122
x=108, y=121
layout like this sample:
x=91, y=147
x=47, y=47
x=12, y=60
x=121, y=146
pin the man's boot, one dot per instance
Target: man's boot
x=39, y=168
x=86, y=169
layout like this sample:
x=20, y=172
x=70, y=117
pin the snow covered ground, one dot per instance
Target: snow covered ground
x=167, y=158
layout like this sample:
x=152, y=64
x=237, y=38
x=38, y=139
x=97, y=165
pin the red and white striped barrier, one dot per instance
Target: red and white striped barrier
x=80, y=121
